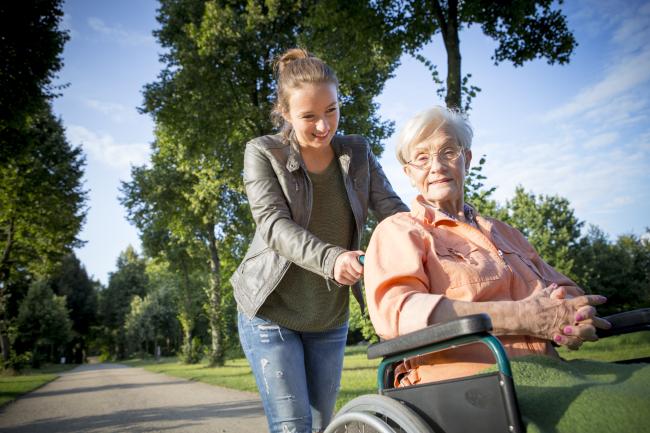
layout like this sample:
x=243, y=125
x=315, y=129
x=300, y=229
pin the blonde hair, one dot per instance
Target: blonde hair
x=294, y=68
x=428, y=123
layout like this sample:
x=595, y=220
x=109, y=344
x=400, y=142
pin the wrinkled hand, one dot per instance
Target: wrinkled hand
x=551, y=314
x=347, y=269
x=584, y=327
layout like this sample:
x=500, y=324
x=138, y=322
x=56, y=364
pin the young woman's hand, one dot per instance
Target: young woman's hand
x=347, y=268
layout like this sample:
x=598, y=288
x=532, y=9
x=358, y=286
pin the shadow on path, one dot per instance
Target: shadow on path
x=145, y=420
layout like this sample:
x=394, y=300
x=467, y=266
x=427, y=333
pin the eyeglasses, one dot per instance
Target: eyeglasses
x=445, y=155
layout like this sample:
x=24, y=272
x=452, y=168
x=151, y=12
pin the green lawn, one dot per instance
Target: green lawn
x=13, y=386
x=359, y=373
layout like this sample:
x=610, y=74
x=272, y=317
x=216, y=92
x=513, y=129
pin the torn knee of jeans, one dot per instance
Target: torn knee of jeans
x=264, y=332
x=265, y=362
x=288, y=397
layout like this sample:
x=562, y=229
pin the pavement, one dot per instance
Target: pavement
x=96, y=398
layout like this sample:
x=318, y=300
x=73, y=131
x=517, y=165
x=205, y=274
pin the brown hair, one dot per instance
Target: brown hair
x=293, y=68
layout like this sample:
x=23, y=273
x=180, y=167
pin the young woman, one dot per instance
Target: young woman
x=309, y=191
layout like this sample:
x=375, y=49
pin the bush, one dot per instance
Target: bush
x=192, y=353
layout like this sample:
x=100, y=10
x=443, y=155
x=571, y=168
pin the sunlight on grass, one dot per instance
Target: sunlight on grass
x=13, y=386
x=360, y=374
x=629, y=346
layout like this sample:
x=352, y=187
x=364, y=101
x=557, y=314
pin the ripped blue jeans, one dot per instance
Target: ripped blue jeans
x=298, y=374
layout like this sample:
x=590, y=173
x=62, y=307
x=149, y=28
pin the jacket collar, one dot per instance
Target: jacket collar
x=430, y=215
x=341, y=150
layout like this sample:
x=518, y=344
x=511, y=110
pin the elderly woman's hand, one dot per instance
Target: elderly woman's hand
x=584, y=327
x=569, y=321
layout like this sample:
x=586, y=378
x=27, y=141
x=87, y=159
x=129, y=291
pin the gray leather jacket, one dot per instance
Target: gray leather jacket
x=280, y=197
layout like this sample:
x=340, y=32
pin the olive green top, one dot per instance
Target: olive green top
x=302, y=300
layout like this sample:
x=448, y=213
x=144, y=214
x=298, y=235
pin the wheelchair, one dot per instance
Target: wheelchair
x=481, y=403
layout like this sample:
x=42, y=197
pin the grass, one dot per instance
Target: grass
x=359, y=373
x=628, y=346
x=13, y=386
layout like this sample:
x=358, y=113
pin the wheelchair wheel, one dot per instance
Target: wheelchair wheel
x=377, y=414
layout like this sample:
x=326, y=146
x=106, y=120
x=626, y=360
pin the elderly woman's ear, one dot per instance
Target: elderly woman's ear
x=468, y=159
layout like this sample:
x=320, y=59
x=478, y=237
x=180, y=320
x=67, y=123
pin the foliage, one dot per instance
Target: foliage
x=478, y=195
x=43, y=324
x=549, y=224
x=215, y=93
x=192, y=351
x=360, y=326
x=618, y=270
x=523, y=29
x=127, y=281
x=71, y=281
x=42, y=207
x=31, y=49
x=152, y=321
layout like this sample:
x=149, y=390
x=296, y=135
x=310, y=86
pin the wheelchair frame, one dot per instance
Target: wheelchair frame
x=480, y=403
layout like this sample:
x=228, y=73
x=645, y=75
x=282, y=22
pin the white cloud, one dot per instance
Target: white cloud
x=121, y=35
x=601, y=140
x=627, y=76
x=104, y=149
x=117, y=112
x=628, y=60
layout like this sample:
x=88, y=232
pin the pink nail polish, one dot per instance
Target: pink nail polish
x=557, y=339
x=568, y=330
x=579, y=317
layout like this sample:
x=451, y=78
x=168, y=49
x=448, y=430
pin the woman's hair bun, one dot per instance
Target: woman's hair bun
x=288, y=57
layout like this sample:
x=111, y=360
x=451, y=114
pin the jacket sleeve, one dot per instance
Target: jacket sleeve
x=272, y=216
x=383, y=200
x=397, y=285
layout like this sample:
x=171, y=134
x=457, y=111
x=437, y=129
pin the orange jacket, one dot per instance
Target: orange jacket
x=416, y=258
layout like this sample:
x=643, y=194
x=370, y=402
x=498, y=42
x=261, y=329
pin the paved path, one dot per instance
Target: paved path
x=113, y=398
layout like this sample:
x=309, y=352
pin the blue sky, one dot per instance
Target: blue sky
x=580, y=130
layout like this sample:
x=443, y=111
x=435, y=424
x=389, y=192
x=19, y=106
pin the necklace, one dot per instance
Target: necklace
x=468, y=212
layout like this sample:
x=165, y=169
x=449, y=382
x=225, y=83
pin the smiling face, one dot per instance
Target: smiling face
x=442, y=183
x=313, y=113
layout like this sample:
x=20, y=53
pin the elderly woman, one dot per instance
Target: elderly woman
x=442, y=260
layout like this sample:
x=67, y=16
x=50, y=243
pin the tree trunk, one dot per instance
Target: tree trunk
x=4, y=295
x=214, y=301
x=449, y=29
x=185, y=316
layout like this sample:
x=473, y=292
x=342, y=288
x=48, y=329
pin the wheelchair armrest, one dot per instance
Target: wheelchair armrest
x=438, y=333
x=626, y=322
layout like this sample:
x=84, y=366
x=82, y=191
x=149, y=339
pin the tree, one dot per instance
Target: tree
x=42, y=206
x=127, y=281
x=524, y=30
x=43, y=324
x=72, y=282
x=39, y=172
x=549, y=224
x=31, y=49
x=216, y=92
x=618, y=270
x=478, y=195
